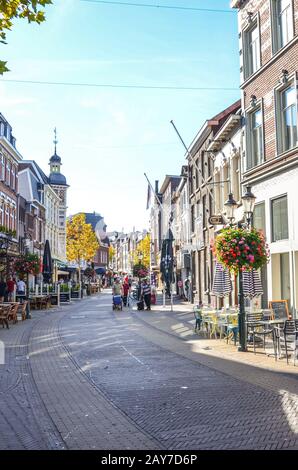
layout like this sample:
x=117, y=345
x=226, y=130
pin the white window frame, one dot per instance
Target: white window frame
x=276, y=37
x=2, y=213
x=8, y=172
x=247, y=57
x=12, y=177
x=2, y=167
x=280, y=139
x=281, y=196
x=248, y=132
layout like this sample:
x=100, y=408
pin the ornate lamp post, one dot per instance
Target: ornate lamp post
x=231, y=205
x=248, y=201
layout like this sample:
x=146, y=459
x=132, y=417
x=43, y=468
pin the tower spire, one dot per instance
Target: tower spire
x=55, y=140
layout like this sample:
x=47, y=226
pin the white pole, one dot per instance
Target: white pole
x=164, y=296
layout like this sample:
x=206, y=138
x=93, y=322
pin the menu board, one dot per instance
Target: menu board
x=280, y=309
x=64, y=297
x=75, y=294
x=54, y=299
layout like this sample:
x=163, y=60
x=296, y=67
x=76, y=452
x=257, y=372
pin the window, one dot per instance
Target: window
x=2, y=167
x=255, y=145
x=13, y=181
x=282, y=19
x=204, y=211
x=7, y=179
x=289, y=118
x=259, y=220
x=279, y=211
x=1, y=213
x=192, y=218
x=252, y=57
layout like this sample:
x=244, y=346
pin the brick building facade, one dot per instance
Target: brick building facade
x=268, y=47
x=202, y=196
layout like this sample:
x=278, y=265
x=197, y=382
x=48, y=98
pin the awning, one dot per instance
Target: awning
x=100, y=270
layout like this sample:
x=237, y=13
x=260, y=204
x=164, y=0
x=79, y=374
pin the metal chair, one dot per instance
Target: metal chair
x=232, y=328
x=287, y=339
x=255, y=328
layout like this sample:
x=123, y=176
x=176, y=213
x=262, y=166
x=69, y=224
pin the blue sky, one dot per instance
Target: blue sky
x=108, y=137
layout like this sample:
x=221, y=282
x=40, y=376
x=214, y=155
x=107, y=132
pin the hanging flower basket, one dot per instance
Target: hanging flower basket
x=140, y=271
x=27, y=264
x=238, y=248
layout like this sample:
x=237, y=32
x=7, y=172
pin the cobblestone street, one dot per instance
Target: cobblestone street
x=85, y=377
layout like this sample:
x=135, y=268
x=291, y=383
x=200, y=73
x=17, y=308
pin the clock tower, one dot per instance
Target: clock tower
x=60, y=186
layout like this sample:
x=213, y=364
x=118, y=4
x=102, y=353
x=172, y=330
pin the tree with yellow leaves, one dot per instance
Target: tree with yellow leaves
x=81, y=241
x=141, y=254
x=112, y=253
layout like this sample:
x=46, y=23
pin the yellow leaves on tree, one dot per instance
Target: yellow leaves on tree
x=142, y=252
x=112, y=253
x=81, y=241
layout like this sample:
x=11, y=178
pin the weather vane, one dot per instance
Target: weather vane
x=55, y=139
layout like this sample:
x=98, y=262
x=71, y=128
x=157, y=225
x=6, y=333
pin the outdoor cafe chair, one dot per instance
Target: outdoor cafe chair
x=4, y=315
x=232, y=328
x=287, y=339
x=13, y=313
x=23, y=308
x=257, y=326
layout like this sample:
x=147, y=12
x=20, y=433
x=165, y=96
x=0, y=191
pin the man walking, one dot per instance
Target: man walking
x=146, y=294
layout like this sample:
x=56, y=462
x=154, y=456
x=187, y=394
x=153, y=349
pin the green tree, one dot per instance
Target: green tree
x=14, y=9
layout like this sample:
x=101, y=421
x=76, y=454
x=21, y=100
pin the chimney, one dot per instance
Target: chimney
x=156, y=186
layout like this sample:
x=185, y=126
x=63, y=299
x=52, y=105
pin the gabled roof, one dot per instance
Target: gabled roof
x=36, y=170
x=211, y=124
x=92, y=218
x=175, y=179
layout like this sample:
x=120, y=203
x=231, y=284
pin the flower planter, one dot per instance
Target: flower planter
x=240, y=249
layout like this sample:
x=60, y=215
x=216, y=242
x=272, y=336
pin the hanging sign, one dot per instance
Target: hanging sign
x=216, y=220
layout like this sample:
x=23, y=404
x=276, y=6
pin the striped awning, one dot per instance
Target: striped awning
x=252, y=286
x=222, y=285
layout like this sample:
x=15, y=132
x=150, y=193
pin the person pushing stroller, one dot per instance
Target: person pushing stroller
x=117, y=292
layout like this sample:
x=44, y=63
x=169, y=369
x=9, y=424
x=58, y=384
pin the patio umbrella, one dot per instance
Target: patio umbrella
x=47, y=265
x=222, y=285
x=167, y=260
x=252, y=286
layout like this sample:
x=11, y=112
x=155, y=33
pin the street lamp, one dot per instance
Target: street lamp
x=248, y=207
x=248, y=200
x=230, y=205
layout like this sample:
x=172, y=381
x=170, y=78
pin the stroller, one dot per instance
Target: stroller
x=117, y=302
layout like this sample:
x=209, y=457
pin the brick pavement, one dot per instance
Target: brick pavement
x=175, y=394
x=102, y=379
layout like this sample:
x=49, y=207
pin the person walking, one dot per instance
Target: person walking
x=126, y=289
x=3, y=289
x=117, y=287
x=146, y=294
x=21, y=287
x=10, y=289
x=186, y=288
